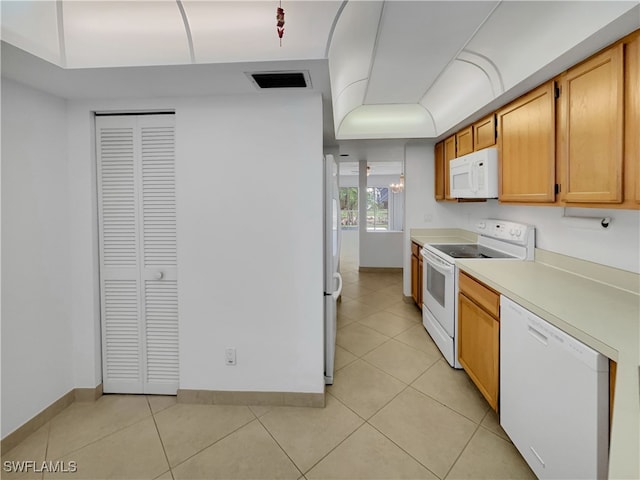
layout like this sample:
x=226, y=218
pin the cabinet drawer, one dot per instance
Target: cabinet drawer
x=415, y=249
x=481, y=294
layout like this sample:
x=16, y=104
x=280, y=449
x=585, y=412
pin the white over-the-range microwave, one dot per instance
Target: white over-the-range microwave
x=474, y=175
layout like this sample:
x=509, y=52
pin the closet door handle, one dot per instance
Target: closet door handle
x=158, y=275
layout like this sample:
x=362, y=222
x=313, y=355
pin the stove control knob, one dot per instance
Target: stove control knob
x=518, y=232
x=482, y=225
x=512, y=232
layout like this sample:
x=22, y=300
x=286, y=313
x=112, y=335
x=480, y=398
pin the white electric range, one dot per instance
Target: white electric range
x=497, y=240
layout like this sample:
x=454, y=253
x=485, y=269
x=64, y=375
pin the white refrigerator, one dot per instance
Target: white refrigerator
x=332, y=278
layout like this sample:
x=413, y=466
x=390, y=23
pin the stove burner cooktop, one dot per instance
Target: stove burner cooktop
x=469, y=250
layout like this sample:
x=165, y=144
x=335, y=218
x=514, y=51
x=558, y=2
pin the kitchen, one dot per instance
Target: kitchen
x=79, y=219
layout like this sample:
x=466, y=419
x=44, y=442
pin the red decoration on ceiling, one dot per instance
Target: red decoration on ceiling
x=280, y=24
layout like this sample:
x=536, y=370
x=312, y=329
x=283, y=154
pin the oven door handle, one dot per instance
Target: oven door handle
x=437, y=263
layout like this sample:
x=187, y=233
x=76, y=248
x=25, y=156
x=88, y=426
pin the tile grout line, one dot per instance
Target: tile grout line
x=46, y=448
x=401, y=448
x=340, y=442
x=219, y=440
x=280, y=446
x=101, y=438
x=462, y=451
x=444, y=404
x=367, y=422
x=164, y=450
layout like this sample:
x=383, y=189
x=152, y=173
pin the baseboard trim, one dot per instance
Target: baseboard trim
x=88, y=394
x=408, y=299
x=380, y=269
x=30, y=426
x=222, y=397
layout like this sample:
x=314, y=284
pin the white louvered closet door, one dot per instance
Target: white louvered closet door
x=139, y=291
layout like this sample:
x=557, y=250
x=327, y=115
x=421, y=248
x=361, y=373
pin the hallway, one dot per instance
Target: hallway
x=396, y=410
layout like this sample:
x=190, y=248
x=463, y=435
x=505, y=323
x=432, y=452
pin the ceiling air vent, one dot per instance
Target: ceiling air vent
x=280, y=79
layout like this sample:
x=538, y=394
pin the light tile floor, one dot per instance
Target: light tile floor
x=396, y=410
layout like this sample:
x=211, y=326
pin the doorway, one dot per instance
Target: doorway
x=138, y=252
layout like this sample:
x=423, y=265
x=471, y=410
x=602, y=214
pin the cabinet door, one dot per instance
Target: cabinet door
x=484, y=133
x=138, y=253
x=591, y=129
x=420, y=280
x=464, y=141
x=526, y=147
x=478, y=347
x=632, y=120
x=449, y=154
x=438, y=154
x=414, y=277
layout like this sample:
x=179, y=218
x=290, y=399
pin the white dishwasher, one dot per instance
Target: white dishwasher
x=554, y=401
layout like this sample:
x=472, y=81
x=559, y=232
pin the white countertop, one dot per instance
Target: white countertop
x=605, y=317
x=442, y=235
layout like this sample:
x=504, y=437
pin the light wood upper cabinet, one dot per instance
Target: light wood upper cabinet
x=591, y=129
x=484, y=133
x=438, y=154
x=464, y=141
x=526, y=147
x=632, y=121
x=449, y=154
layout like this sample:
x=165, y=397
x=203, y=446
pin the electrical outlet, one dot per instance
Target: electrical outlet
x=230, y=356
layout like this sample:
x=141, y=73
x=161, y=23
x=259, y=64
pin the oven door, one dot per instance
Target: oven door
x=438, y=293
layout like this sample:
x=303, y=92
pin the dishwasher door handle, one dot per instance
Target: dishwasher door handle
x=538, y=335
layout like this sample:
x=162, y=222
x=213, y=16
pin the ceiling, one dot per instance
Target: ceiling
x=385, y=69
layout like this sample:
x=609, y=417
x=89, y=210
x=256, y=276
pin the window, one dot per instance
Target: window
x=349, y=207
x=377, y=208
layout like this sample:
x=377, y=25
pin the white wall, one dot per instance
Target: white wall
x=249, y=195
x=83, y=210
x=618, y=246
x=37, y=339
x=250, y=243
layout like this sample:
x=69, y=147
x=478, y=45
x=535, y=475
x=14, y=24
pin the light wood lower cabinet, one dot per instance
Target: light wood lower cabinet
x=416, y=274
x=479, y=336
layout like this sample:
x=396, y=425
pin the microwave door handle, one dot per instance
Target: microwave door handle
x=474, y=169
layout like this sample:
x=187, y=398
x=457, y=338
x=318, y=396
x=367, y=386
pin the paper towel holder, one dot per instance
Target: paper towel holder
x=604, y=221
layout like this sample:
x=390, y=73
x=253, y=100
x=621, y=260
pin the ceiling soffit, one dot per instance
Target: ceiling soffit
x=493, y=49
x=416, y=41
x=397, y=69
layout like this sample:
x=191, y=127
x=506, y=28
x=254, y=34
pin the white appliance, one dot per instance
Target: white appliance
x=332, y=278
x=554, y=402
x=475, y=175
x=497, y=239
